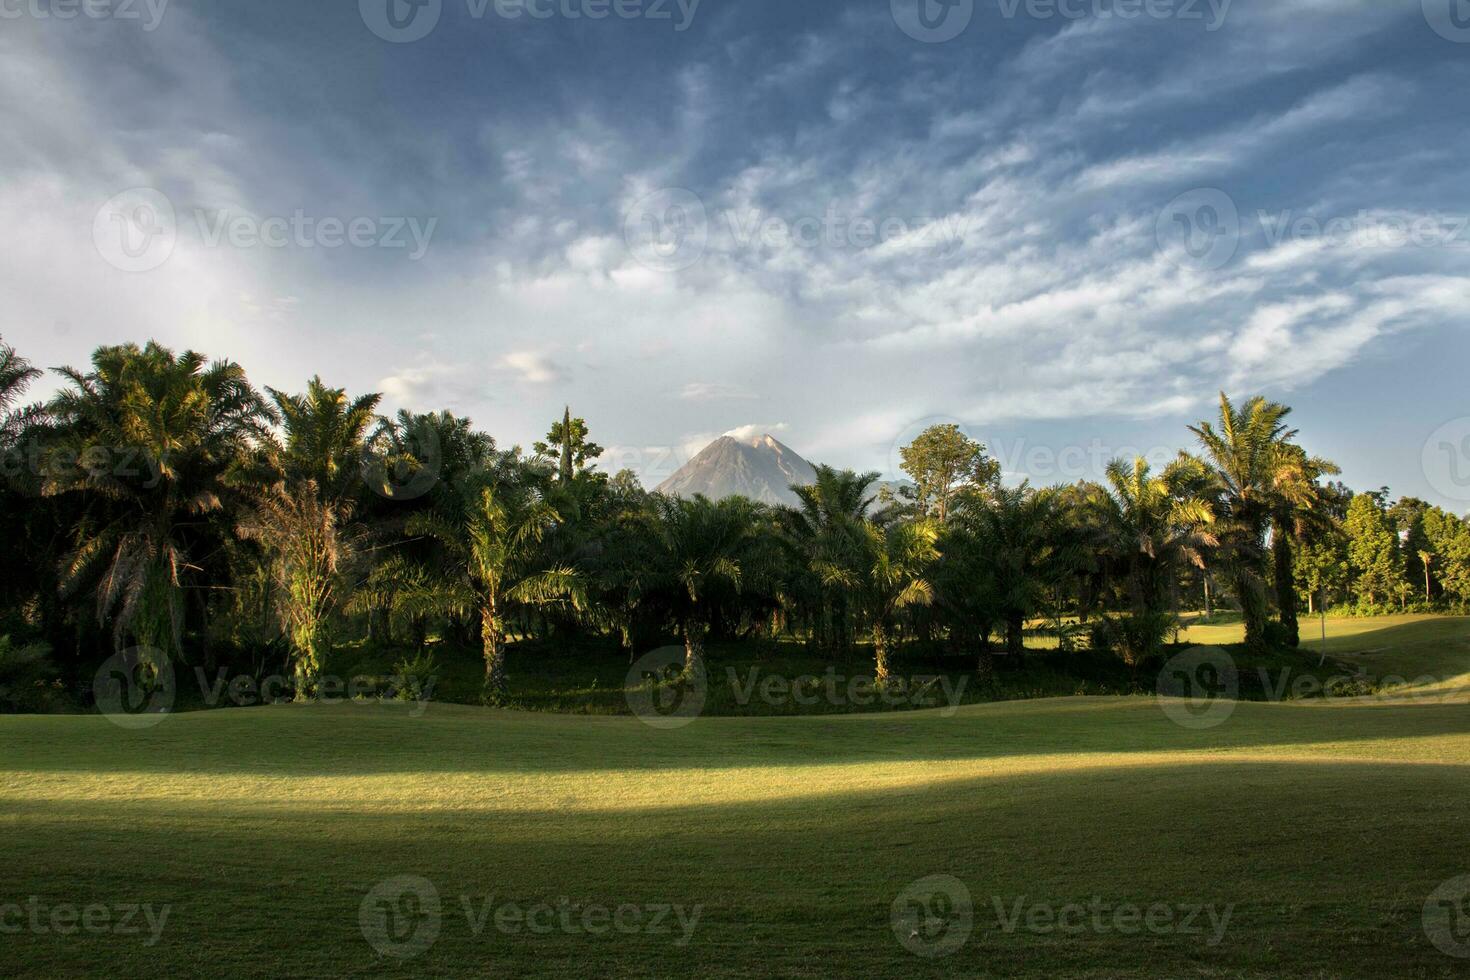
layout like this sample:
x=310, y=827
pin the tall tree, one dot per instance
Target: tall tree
x=944, y=463
x=1245, y=452
x=304, y=515
x=149, y=441
x=1372, y=549
x=494, y=541
x=1026, y=552
x=827, y=530
x=1300, y=511
x=699, y=545
x=567, y=442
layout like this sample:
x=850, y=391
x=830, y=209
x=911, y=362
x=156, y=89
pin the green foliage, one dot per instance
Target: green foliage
x=946, y=464
x=1372, y=550
x=29, y=680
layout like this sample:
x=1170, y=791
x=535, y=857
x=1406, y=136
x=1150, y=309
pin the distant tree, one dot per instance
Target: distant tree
x=826, y=537
x=893, y=576
x=567, y=442
x=943, y=462
x=1372, y=549
x=1301, y=509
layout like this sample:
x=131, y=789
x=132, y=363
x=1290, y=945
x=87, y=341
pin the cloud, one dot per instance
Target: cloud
x=531, y=367
x=700, y=391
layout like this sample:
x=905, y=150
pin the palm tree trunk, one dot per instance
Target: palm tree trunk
x=1252, y=610
x=492, y=635
x=1015, y=634
x=1285, y=587
x=880, y=651
x=694, y=632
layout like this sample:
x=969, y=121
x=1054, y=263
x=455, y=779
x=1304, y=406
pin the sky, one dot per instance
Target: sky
x=1065, y=225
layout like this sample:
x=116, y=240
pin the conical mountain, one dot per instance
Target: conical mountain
x=762, y=469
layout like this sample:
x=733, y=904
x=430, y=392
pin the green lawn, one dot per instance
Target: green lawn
x=1320, y=827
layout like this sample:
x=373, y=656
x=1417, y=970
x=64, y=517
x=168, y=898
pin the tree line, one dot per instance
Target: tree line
x=161, y=502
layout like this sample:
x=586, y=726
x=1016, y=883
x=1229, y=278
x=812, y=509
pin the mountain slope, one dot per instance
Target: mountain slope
x=762, y=469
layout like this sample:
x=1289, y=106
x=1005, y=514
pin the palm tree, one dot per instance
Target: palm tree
x=699, y=545
x=1025, y=551
x=16, y=374
x=1427, y=559
x=306, y=498
x=1299, y=513
x=1155, y=526
x=1245, y=453
x=150, y=443
x=897, y=560
x=493, y=543
x=828, y=529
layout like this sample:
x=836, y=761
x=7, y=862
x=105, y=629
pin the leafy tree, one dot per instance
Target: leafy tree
x=568, y=442
x=1156, y=525
x=1372, y=549
x=944, y=463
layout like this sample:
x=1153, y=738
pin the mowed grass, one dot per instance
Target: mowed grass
x=1322, y=826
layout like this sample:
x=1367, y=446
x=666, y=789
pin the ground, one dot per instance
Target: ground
x=1300, y=838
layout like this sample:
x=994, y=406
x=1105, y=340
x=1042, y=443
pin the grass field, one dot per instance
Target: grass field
x=1294, y=839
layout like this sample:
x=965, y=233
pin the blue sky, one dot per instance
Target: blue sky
x=1063, y=227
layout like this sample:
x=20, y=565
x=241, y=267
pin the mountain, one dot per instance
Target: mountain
x=762, y=469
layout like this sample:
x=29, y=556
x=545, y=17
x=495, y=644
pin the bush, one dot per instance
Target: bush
x=416, y=676
x=29, y=681
x=1134, y=638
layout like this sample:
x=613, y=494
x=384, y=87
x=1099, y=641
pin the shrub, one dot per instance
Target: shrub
x=1134, y=638
x=29, y=681
x=416, y=676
